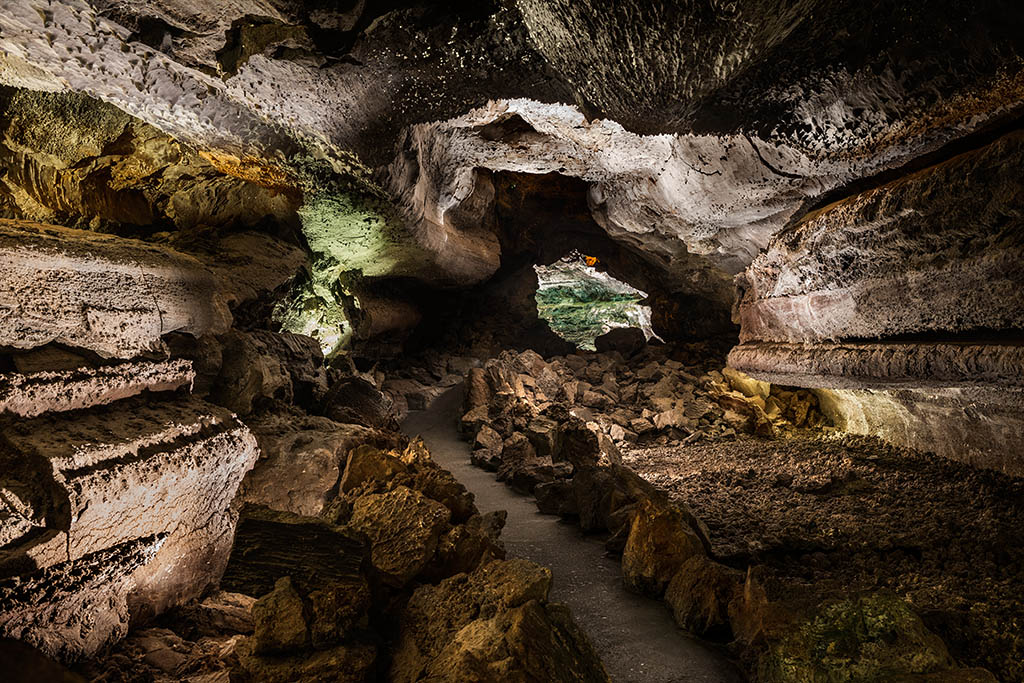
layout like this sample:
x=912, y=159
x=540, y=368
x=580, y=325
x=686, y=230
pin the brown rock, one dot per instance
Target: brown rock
x=659, y=543
x=278, y=620
x=404, y=527
x=367, y=464
x=699, y=595
x=349, y=663
x=336, y=609
x=477, y=392
x=302, y=459
x=355, y=400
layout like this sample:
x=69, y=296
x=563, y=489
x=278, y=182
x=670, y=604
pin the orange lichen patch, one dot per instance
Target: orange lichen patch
x=590, y=260
x=253, y=170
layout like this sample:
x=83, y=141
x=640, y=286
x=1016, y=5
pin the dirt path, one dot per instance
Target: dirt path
x=636, y=637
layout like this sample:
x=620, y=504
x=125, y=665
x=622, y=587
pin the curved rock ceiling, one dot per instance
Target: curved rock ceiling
x=705, y=129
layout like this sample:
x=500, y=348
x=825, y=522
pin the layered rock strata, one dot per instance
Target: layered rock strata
x=117, y=487
x=902, y=304
x=109, y=295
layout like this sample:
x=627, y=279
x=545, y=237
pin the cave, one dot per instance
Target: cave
x=513, y=340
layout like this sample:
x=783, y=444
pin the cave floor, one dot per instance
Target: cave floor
x=635, y=636
x=844, y=514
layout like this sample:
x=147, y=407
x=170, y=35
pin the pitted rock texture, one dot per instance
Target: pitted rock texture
x=112, y=474
x=302, y=458
x=73, y=609
x=35, y=393
x=110, y=295
x=897, y=259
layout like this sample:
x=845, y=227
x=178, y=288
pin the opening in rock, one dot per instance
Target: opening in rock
x=581, y=303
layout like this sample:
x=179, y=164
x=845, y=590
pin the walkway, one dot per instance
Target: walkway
x=635, y=636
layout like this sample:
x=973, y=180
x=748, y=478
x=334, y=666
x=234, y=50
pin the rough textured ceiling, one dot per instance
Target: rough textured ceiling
x=756, y=109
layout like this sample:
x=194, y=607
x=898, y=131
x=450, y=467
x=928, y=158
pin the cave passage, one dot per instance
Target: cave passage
x=511, y=340
x=580, y=303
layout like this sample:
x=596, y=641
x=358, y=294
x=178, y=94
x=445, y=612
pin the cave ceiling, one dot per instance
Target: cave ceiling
x=701, y=129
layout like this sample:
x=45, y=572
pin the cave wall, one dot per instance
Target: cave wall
x=113, y=506
x=902, y=304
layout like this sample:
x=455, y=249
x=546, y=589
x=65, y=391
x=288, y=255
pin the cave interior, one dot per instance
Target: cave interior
x=511, y=340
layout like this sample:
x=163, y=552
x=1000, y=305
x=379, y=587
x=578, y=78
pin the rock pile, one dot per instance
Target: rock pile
x=554, y=428
x=399, y=578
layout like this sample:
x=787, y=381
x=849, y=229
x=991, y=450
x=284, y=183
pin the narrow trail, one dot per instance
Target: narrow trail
x=635, y=636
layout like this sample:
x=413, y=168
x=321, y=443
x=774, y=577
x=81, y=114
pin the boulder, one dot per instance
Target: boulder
x=404, y=527
x=492, y=624
x=271, y=544
x=367, y=464
x=658, y=545
x=336, y=609
x=356, y=400
x=521, y=467
x=699, y=595
x=478, y=393
x=302, y=459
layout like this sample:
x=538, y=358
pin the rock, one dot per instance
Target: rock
x=641, y=426
x=220, y=613
x=489, y=439
x=659, y=543
x=473, y=420
x=468, y=546
x=336, y=609
x=132, y=470
x=355, y=400
x=593, y=399
x=626, y=340
x=270, y=545
x=674, y=418
x=746, y=385
x=699, y=595
x=73, y=609
x=491, y=624
x=404, y=527
x=42, y=391
x=266, y=365
x=477, y=392
x=543, y=433
x=302, y=460
x=279, y=623
x=367, y=464
x=108, y=294
x=521, y=467
x=250, y=265
x=556, y=498
x=349, y=663
x=868, y=636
